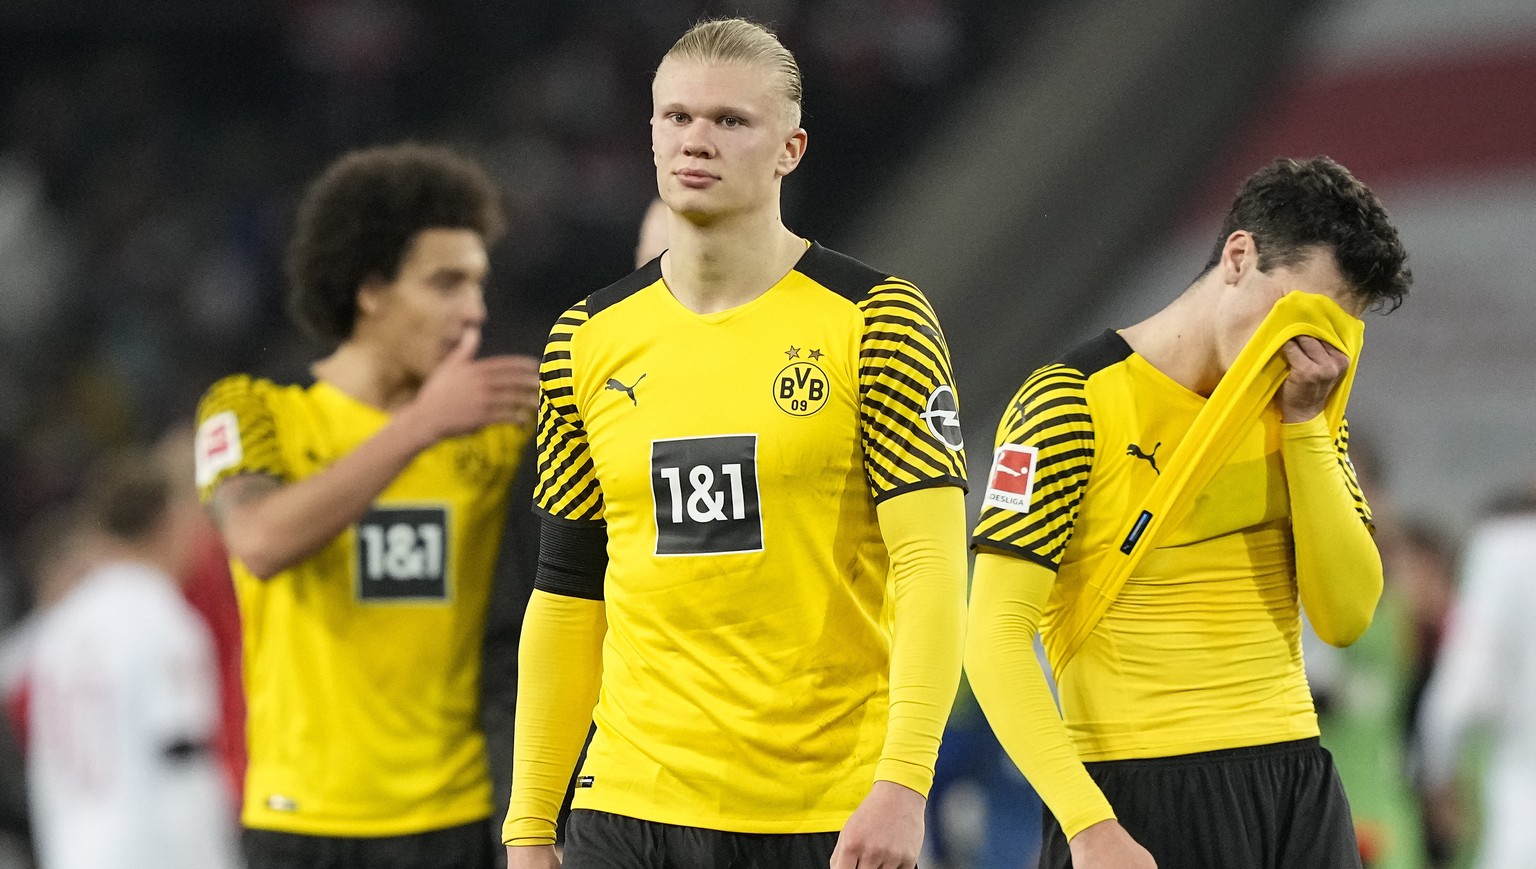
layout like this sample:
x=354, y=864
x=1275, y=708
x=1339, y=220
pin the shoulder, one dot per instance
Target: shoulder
x=842, y=274
x=236, y=387
x=619, y=290
x=1067, y=377
x=1096, y=354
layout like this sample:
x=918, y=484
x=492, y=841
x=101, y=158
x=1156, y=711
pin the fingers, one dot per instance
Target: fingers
x=468, y=346
x=864, y=855
x=1305, y=349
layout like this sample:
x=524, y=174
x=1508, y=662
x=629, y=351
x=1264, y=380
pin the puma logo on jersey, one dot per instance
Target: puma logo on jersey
x=616, y=386
x=1151, y=458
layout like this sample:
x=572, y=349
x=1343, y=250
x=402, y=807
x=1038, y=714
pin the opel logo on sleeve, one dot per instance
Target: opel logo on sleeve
x=943, y=418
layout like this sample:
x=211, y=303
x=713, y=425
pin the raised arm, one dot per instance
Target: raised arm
x=270, y=523
x=1338, y=569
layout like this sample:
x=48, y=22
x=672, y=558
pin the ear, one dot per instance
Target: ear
x=789, y=156
x=1239, y=257
x=369, y=296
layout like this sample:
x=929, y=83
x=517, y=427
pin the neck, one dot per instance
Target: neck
x=1184, y=340
x=728, y=262
x=150, y=553
x=372, y=377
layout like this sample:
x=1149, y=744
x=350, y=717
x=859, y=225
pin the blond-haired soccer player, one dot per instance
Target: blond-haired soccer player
x=751, y=574
x=362, y=512
x=1187, y=699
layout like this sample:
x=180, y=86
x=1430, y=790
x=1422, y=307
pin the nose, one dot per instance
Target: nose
x=474, y=309
x=697, y=141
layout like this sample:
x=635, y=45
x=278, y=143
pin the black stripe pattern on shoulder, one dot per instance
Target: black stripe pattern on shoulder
x=1049, y=416
x=623, y=288
x=237, y=433
x=567, y=481
x=909, y=410
x=840, y=273
x=1097, y=353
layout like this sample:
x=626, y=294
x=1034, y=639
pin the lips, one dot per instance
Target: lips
x=695, y=178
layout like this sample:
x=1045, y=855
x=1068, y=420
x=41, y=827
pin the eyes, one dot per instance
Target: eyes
x=683, y=119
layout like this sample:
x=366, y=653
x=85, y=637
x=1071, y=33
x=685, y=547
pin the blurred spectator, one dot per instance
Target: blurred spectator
x=210, y=590
x=1486, y=675
x=123, y=698
x=1421, y=570
x=147, y=174
x=653, y=232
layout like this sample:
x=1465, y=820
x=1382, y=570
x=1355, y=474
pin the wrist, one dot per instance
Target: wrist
x=414, y=428
x=1314, y=425
x=898, y=789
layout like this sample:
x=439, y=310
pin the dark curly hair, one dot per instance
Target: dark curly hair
x=1292, y=205
x=358, y=219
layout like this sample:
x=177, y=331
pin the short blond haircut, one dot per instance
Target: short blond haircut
x=737, y=40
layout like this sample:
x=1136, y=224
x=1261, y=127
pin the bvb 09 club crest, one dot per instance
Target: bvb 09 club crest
x=801, y=388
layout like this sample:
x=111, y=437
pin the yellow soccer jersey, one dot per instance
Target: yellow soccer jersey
x=1201, y=650
x=362, y=664
x=736, y=459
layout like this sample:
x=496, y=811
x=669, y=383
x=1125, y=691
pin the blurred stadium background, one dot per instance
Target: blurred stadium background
x=1042, y=168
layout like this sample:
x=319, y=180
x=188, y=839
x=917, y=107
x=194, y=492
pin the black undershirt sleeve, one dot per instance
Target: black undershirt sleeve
x=573, y=559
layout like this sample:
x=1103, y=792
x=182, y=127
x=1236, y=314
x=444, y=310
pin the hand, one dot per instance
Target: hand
x=884, y=832
x=1316, y=368
x=1106, y=845
x=464, y=394
x=532, y=857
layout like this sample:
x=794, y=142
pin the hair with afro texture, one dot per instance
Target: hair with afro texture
x=358, y=220
x=1293, y=206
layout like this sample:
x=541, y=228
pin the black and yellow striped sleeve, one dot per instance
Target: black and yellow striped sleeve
x=909, y=411
x=1351, y=479
x=567, y=486
x=1045, y=452
x=236, y=434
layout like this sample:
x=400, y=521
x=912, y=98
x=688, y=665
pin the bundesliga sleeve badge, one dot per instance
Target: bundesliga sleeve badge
x=1011, y=482
x=217, y=446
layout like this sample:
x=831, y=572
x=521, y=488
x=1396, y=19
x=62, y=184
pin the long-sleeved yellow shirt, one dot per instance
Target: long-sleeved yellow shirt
x=778, y=490
x=1201, y=649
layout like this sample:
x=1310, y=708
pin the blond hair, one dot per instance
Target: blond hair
x=737, y=40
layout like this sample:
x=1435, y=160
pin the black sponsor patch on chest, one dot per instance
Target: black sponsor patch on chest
x=402, y=554
x=706, y=495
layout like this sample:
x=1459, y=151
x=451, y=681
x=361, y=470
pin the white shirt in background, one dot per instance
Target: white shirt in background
x=1486, y=674
x=123, y=713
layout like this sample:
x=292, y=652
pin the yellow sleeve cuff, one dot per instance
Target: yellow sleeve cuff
x=924, y=532
x=559, y=661
x=1008, y=596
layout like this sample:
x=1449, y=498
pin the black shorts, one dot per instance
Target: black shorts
x=600, y=840
x=470, y=846
x=1266, y=807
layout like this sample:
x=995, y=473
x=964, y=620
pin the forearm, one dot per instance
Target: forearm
x=1007, y=598
x=292, y=522
x=1338, y=569
x=559, y=671
x=924, y=532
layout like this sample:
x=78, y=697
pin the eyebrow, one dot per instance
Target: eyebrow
x=712, y=111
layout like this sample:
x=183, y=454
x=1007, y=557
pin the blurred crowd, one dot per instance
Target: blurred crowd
x=148, y=178
x=147, y=183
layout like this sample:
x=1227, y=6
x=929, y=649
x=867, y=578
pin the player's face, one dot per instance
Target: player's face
x=438, y=294
x=721, y=137
x=1256, y=292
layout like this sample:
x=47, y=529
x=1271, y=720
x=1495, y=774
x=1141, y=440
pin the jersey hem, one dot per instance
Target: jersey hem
x=816, y=824
x=1189, y=745
x=580, y=523
x=932, y=483
x=357, y=829
x=1014, y=550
